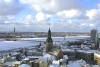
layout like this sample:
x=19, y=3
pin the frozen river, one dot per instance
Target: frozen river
x=57, y=38
x=7, y=45
x=28, y=42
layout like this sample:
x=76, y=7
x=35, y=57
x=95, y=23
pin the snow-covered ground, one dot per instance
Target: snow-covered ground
x=79, y=63
x=27, y=42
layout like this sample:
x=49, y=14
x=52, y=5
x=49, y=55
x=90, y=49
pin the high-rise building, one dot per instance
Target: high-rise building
x=49, y=42
x=94, y=37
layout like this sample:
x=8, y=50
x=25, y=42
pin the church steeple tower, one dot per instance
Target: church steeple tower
x=49, y=42
x=14, y=29
x=49, y=39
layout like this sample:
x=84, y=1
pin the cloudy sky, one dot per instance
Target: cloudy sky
x=59, y=15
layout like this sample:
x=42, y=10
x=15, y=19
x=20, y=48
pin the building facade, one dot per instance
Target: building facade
x=94, y=37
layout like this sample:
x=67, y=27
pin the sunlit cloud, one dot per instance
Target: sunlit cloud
x=69, y=13
x=92, y=25
x=40, y=16
x=40, y=5
x=8, y=1
x=98, y=5
x=93, y=13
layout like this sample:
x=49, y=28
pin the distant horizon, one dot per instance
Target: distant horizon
x=44, y=32
x=38, y=29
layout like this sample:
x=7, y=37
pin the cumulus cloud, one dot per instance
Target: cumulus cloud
x=8, y=1
x=52, y=5
x=66, y=15
x=93, y=14
x=40, y=5
x=47, y=9
x=8, y=10
x=9, y=7
x=87, y=24
x=28, y=20
x=98, y=5
x=69, y=13
x=40, y=16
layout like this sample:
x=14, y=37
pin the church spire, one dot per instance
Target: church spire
x=49, y=42
x=49, y=33
x=49, y=38
x=14, y=29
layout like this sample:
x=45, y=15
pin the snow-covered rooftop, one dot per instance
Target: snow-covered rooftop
x=79, y=63
x=48, y=57
x=24, y=65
